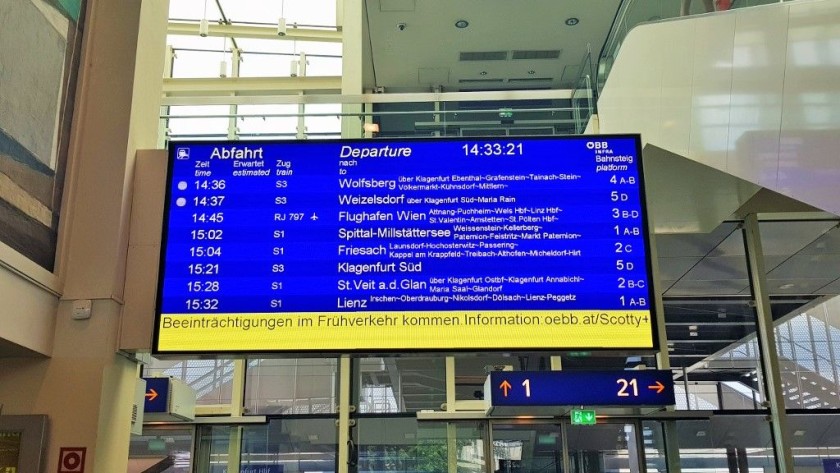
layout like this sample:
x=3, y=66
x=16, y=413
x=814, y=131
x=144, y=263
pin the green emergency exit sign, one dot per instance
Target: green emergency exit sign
x=583, y=417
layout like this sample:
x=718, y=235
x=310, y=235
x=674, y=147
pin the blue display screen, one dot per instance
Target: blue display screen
x=566, y=388
x=442, y=230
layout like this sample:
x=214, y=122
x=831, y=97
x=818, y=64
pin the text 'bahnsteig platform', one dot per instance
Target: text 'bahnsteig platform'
x=533, y=243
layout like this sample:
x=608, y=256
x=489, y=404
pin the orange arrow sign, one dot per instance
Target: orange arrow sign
x=152, y=394
x=658, y=387
x=505, y=387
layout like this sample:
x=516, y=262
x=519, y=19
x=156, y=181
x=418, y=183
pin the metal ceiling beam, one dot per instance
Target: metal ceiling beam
x=716, y=376
x=214, y=87
x=378, y=114
x=714, y=324
x=226, y=21
x=197, y=98
x=256, y=32
x=512, y=123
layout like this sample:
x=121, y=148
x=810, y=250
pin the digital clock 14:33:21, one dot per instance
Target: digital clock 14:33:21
x=493, y=149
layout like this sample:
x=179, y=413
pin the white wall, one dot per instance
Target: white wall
x=753, y=92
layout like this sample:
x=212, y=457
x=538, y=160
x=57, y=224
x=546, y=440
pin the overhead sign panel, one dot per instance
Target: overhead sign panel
x=157, y=395
x=580, y=388
x=405, y=245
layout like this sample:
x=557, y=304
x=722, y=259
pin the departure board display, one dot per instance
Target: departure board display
x=385, y=245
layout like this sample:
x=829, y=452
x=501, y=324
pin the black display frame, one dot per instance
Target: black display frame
x=652, y=285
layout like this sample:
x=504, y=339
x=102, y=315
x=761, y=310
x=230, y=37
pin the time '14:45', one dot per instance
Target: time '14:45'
x=202, y=217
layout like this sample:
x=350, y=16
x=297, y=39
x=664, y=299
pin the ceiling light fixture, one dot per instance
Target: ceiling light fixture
x=203, y=28
x=462, y=24
x=532, y=72
x=484, y=73
x=223, y=69
x=204, y=25
x=572, y=21
x=281, y=22
x=787, y=286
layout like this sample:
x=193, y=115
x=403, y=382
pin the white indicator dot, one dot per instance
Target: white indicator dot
x=180, y=201
x=182, y=186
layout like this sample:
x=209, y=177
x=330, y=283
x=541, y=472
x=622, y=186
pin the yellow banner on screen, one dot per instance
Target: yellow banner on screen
x=396, y=331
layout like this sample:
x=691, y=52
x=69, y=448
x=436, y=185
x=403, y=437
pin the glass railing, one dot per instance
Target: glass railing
x=490, y=115
x=583, y=95
x=634, y=12
x=583, y=103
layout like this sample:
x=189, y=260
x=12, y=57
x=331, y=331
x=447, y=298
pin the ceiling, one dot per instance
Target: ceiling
x=801, y=258
x=415, y=46
x=705, y=281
